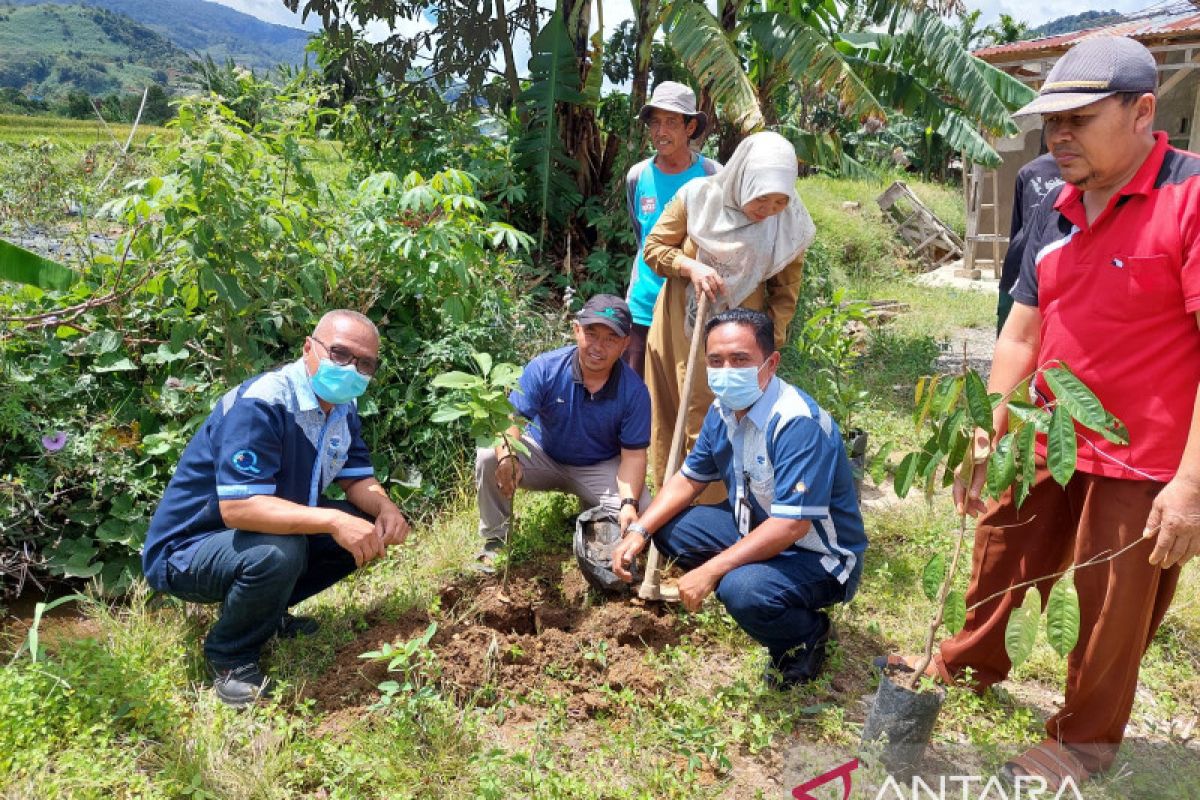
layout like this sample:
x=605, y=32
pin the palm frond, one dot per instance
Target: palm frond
x=937, y=47
x=811, y=60
x=701, y=44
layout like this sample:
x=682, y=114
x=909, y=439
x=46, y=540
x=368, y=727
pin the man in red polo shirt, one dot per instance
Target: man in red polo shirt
x=1109, y=285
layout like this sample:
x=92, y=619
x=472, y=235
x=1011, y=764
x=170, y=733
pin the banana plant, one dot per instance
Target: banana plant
x=952, y=408
x=762, y=69
x=553, y=80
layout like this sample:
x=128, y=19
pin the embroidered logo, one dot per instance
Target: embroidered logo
x=246, y=461
x=801, y=487
x=1118, y=263
x=649, y=205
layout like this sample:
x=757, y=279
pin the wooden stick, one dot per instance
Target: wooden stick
x=651, y=588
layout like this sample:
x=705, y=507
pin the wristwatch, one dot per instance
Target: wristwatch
x=639, y=529
x=629, y=501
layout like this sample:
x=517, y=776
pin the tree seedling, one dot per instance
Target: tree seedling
x=953, y=407
x=482, y=401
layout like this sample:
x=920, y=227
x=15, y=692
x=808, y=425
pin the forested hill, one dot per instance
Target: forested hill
x=198, y=26
x=47, y=50
x=1076, y=22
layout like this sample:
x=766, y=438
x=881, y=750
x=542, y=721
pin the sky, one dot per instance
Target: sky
x=615, y=11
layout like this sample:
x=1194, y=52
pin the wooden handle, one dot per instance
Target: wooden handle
x=651, y=588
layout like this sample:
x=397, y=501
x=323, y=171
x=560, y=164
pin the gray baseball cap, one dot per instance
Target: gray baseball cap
x=1093, y=70
x=679, y=98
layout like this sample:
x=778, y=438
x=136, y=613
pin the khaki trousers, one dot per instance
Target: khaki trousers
x=593, y=484
x=1122, y=602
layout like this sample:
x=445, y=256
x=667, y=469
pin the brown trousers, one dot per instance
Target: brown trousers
x=1122, y=602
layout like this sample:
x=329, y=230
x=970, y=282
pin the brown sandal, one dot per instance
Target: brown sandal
x=1050, y=761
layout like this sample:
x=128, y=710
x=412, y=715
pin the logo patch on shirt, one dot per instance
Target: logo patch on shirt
x=801, y=487
x=246, y=461
x=649, y=205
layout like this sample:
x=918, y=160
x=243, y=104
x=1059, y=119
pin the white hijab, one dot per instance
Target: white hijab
x=746, y=253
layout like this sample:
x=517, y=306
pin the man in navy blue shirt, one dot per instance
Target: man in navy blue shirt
x=243, y=522
x=789, y=540
x=588, y=428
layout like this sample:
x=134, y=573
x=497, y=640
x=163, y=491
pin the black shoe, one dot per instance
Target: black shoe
x=291, y=626
x=240, y=686
x=801, y=665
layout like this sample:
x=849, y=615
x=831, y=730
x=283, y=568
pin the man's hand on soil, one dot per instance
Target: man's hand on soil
x=695, y=586
x=1174, y=521
x=357, y=537
x=624, y=553
x=391, y=526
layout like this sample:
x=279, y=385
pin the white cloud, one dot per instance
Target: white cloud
x=272, y=11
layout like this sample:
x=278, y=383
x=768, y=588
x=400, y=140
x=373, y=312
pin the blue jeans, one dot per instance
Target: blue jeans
x=256, y=577
x=777, y=601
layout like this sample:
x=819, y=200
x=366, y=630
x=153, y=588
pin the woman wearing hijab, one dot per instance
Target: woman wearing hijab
x=739, y=237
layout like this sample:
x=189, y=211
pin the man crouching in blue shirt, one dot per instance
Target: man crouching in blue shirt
x=789, y=540
x=589, y=428
x=243, y=523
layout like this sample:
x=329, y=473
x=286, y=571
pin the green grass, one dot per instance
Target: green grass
x=73, y=134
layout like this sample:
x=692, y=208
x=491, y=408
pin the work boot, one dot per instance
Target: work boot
x=241, y=686
x=801, y=664
x=291, y=626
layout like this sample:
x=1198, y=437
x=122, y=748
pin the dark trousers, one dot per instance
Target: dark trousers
x=256, y=577
x=778, y=601
x=635, y=353
x=1122, y=602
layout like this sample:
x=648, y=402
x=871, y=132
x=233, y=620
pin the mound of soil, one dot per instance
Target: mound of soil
x=536, y=633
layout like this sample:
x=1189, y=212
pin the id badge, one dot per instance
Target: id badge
x=743, y=516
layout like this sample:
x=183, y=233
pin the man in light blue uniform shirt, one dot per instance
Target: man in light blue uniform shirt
x=243, y=521
x=674, y=122
x=789, y=541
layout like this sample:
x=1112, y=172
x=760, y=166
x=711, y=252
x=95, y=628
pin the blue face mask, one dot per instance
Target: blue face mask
x=736, y=387
x=338, y=384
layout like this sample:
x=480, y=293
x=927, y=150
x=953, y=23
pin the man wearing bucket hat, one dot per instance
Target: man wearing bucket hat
x=589, y=428
x=673, y=123
x=1110, y=286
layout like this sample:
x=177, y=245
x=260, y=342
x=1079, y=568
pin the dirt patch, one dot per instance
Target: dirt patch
x=541, y=632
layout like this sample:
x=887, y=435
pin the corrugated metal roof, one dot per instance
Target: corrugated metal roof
x=1161, y=27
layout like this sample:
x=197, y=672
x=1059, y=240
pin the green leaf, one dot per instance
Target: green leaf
x=1083, y=405
x=1029, y=413
x=1062, y=615
x=21, y=266
x=445, y=414
x=954, y=615
x=812, y=62
x=553, y=79
x=906, y=473
x=113, y=362
x=1002, y=466
x=946, y=395
x=978, y=402
x=457, y=380
x=1061, y=447
x=706, y=50
x=1026, y=462
x=39, y=610
x=1020, y=635
x=933, y=576
x=484, y=360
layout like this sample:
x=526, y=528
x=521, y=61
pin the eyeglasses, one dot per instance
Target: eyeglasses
x=343, y=357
